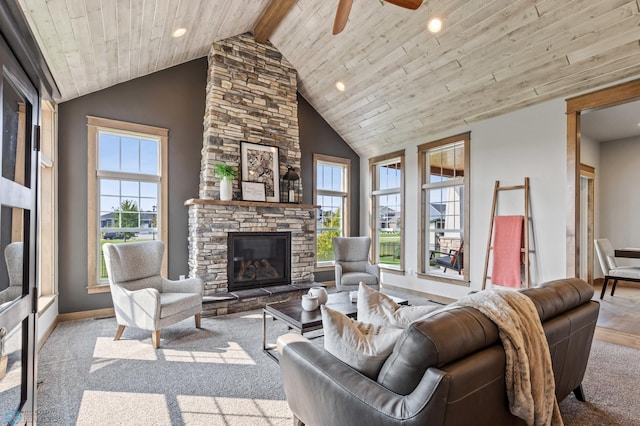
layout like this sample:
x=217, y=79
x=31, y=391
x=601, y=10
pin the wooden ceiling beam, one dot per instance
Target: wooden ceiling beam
x=273, y=14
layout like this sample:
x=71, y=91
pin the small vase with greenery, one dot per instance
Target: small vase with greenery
x=226, y=173
x=223, y=170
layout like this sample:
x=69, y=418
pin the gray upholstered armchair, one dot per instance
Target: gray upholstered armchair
x=13, y=253
x=352, y=263
x=142, y=298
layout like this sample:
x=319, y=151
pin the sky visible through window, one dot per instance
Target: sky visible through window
x=121, y=153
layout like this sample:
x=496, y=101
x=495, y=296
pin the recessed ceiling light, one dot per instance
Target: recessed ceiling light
x=179, y=32
x=434, y=25
x=340, y=86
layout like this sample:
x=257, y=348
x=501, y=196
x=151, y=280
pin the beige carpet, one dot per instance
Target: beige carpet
x=219, y=376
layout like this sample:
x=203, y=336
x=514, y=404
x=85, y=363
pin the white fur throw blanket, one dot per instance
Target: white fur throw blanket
x=529, y=373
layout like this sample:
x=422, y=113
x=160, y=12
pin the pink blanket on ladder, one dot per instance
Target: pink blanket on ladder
x=507, y=257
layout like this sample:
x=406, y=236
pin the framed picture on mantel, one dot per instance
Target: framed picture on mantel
x=260, y=163
x=253, y=191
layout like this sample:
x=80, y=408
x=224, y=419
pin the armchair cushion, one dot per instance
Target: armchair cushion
x=173, y=303
x=355, y=278
x=362, y=346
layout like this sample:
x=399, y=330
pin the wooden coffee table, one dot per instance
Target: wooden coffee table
x=296, y=318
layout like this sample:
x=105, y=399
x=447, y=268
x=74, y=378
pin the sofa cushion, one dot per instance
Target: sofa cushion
x=362, y=346
x=377, y=308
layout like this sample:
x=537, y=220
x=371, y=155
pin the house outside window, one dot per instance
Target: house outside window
x=387, y=198
x=443, y=170
x=331, y=193
x=127, y=189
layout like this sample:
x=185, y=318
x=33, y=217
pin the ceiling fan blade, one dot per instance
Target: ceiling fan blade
x=344, y=7
x=407, y=4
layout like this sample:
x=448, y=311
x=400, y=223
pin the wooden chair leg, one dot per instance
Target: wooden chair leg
x=155, y=339
x=197, y=317
x=613, y=288
x=3, y=365
x=604, y=287
x=119, y=332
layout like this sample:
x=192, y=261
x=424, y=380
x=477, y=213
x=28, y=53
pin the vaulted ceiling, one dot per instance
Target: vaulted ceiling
x=403, y=84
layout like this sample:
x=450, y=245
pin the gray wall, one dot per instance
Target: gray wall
x=175, y=99
x=317, y=137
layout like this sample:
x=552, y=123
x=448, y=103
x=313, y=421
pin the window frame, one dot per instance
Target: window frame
x=345, y=163
x=374, y=162
x=47, y=219
x=94, y=126
x=423, y=175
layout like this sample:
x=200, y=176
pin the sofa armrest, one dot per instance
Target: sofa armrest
x=189, y=285
x=348, y=397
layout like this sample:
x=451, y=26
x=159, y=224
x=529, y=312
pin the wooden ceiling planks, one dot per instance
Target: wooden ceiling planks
x=404, y=85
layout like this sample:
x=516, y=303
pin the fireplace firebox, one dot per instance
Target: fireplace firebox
x=258, y=259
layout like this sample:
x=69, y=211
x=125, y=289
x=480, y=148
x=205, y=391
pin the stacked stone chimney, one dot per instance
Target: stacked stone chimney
x=251, y=96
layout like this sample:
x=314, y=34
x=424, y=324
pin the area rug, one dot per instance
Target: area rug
x=219, y=376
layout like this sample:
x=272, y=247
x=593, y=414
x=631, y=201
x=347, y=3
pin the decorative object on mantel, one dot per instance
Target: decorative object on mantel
x=226, y=173
x=290, y=186
x=260, y=163
x=253, y=191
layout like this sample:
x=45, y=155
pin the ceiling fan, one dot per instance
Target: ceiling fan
x=344, y=7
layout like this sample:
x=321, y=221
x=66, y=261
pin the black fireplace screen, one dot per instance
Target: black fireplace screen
x=258, y=259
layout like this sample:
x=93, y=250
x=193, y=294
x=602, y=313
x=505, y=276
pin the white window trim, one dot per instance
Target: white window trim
x=94, y=125
x=393, y=157
x=346, y=217
x=424, y=231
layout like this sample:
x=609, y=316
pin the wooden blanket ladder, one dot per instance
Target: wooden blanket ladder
x=496, y=190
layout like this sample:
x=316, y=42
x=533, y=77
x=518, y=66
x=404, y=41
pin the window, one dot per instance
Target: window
x=387, y=198
x=331, y=193
x=47, y=219
x=127, y=189
x=444, y=168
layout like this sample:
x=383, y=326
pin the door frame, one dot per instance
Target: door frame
x=589, y=173
x=611, y=96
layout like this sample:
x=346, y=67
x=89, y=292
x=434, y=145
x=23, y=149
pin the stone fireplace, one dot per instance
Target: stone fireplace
x=251, y=96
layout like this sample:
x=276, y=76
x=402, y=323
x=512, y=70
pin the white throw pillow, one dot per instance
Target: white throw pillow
x=379, y=309
x=364, y=347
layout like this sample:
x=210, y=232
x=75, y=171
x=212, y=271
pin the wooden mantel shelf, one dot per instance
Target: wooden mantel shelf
x=206, y=201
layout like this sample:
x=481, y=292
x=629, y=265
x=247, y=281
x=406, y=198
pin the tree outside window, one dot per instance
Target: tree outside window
x=331, y=194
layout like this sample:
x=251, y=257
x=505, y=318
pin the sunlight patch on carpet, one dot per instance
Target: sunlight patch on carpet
x=123, y=408
x=233, y=411
x=106, y=347
x=232, y=354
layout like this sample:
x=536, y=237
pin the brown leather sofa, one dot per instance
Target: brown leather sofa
x=445, y=370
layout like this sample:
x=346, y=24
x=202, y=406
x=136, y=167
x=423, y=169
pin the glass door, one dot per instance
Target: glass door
x=18, y=162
